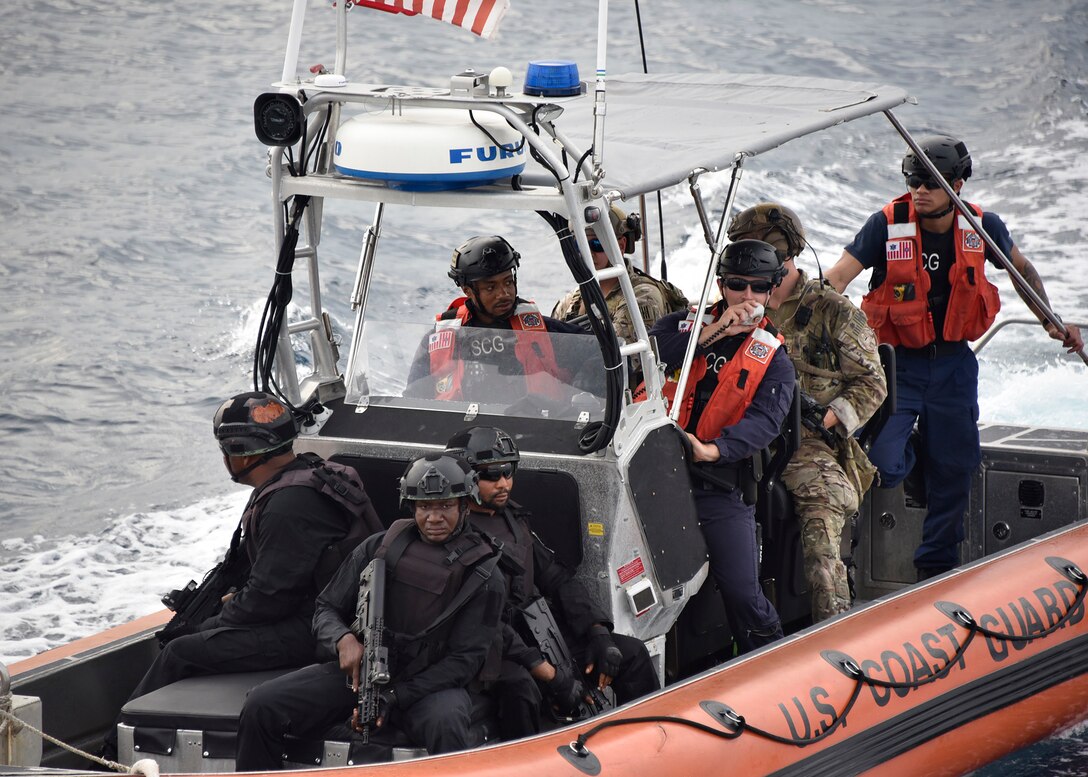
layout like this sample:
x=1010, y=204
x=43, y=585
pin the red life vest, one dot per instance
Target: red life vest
x=737, y=381
x=973, y=302
x=533, y=350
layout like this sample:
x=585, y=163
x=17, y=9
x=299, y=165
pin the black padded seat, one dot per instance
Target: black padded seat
x=211, y=703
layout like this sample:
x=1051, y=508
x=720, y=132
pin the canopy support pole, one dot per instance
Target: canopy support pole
x=711, y=273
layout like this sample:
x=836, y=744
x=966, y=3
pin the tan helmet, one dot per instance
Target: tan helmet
x=626, y=225
x=773, y=223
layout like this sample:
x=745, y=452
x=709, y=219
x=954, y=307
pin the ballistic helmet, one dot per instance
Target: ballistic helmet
x=752, y=257
x=254, y=423
x=481, y=257
x=438, y=476
x=947, y=154
x=773, y=223
x=483, y=445
x=628, y=225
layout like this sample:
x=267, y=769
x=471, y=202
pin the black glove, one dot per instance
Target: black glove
x=387, y=702
x=603, y=653
x=565, y=691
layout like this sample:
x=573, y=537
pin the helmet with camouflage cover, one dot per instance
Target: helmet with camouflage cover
x=628, y=225
x=773, y=223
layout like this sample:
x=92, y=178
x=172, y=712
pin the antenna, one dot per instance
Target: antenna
x=598, y=99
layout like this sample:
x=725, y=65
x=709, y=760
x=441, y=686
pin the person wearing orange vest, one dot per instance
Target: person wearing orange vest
x=737, y=396
x=929, y=295
x=468, y=343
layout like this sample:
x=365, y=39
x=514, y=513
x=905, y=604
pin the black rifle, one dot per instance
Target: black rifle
x=541, y=630
x=194, y=604
x=812, y=416
x=369, y=628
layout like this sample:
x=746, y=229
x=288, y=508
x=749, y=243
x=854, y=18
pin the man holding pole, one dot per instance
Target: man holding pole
x=928, y=297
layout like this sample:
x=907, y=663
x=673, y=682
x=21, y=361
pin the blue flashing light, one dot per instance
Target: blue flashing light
x=552, y=78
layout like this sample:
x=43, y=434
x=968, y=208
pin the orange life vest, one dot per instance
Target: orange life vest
x=533, y=350
x=973, y=302
x=738, y=380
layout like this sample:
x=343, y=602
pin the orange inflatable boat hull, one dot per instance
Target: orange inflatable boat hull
x=938, y=679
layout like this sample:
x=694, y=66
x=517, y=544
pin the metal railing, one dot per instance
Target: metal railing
x=1009, y=321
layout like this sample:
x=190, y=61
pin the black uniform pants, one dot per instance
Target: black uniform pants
x=221, y=651
x=518, y=698
x=308, y=702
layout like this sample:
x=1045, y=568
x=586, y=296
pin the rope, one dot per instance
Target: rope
x=739, y=725
x=144, y=766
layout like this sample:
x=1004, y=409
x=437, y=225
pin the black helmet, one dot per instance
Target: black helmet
x=253, y=423
x=752, y=257
x=481, y=257
x=483, y=445
x=438, y=476
x=774, y=223
x=947, y=154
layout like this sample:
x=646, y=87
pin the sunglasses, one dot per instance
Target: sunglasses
x=496, y=472
x=740, y=284
x=595, y=245
x=915, y=181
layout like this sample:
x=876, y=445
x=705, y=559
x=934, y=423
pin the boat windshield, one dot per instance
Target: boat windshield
x=528, y=373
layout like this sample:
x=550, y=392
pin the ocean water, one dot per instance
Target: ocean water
x=137, y=235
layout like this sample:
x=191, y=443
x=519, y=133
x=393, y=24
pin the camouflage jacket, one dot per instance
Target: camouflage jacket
x=654, y=298
x=835, y=352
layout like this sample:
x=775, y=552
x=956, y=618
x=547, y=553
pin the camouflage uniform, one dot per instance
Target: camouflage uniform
x=835, y=354
x=655, y=300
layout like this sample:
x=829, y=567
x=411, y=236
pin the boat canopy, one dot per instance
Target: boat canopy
x=660, y=128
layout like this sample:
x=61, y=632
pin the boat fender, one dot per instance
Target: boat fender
x=148, y=767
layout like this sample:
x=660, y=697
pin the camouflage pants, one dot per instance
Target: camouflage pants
x=822, y=498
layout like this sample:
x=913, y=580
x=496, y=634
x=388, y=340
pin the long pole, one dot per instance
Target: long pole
x=599, y=93
x=294, y=41
x=708, y=283
x=1017, y=279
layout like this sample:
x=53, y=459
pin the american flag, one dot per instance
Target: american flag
x=481, y=17
x=899, y=249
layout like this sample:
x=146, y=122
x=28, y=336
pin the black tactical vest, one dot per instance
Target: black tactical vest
x=423, y=581
x=339, y=483
x=511, y=528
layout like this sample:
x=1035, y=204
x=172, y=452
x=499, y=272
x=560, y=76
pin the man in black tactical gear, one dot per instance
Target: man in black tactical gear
x=444, y=597
x=304, y=517
x=607, y=658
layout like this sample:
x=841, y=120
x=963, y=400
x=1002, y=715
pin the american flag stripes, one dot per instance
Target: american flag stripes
x=899, y=249
x=481, y=17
